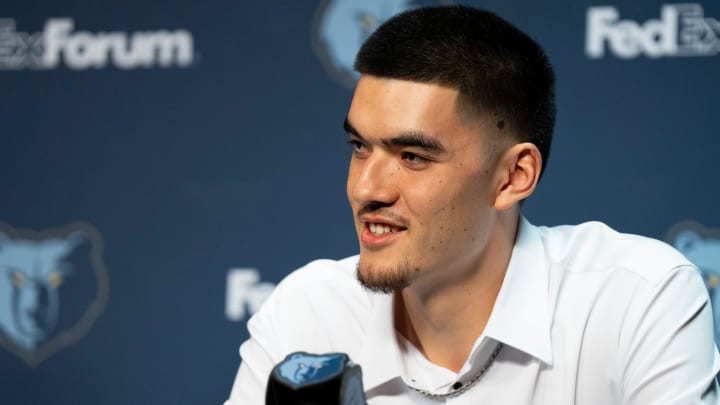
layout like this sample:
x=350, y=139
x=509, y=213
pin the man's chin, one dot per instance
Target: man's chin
x=385, y=278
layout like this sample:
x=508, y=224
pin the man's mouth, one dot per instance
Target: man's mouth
x=381, y=229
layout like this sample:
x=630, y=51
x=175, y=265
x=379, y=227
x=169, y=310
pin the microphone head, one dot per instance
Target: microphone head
x=315, y=379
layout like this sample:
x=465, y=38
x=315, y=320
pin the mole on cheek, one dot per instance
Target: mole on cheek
x=501, y=125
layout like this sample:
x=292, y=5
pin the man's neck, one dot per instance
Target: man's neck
x=444, y=321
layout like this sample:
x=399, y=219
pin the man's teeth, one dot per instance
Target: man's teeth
x=379, y=229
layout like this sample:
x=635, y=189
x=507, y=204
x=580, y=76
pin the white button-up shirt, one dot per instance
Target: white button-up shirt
x=586, y=316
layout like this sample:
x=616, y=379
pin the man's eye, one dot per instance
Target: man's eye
x=357, y=146
x=414, y=159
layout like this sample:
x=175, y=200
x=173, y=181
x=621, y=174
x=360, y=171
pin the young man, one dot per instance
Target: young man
x=455, y=297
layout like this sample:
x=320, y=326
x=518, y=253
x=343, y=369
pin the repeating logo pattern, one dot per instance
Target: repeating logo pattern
x=245, y=293
x=58, y=44
x=341, y=27
x=682, y=30
x=53, y=286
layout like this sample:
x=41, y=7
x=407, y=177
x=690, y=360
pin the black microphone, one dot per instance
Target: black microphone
x=315, y=379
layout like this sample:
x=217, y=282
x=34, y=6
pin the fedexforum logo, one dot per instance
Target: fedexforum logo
x=58, y=44
x=53, y=285
x=682, y=30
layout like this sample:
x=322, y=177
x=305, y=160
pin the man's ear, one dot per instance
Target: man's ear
x=518, y=171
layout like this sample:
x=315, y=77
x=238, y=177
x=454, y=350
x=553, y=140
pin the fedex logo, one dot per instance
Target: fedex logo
x=244, y=293
x=681, y=30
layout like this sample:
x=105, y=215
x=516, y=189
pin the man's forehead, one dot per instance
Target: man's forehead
x=404, y=105
x=402, y=101
x=373, y=84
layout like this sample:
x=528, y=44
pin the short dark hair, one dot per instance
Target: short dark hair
x=497, y=69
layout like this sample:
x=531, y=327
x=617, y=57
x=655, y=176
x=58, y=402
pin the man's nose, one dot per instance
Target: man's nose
x=375, y=180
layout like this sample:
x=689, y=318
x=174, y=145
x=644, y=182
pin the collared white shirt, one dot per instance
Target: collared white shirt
x=586, y=316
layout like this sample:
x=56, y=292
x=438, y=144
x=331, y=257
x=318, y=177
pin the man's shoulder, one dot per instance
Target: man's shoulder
x=594, y=246
x=321, y=288
x=319, y=272
x=318, y=308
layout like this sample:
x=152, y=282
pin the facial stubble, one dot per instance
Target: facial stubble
x=388, y=279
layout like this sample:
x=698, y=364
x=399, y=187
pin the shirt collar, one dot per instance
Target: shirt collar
x=521, y=316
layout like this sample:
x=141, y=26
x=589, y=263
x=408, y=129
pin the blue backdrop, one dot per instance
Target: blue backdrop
x=164, y=163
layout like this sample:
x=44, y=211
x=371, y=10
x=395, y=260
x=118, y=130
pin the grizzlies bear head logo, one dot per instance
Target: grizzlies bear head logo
x=53, y=285
x=702, y=246
x=303, y=368
x=311, y=378
x=341, y=27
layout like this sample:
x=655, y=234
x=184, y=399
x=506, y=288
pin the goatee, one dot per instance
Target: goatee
x=385, y=280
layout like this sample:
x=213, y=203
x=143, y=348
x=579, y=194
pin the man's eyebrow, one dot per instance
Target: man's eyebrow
x=416, y=139
x=349, y=129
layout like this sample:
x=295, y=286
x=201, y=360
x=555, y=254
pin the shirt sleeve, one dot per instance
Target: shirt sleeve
x=671, y=357
x=259, y=355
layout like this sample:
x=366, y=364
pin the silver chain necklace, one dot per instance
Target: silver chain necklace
x=460, y=390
